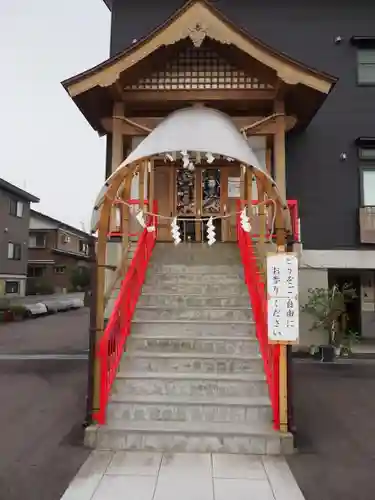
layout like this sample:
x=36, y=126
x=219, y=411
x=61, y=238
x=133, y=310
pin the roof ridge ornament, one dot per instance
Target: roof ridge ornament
x=197, y=34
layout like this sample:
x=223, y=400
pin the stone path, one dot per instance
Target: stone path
x=110, y=475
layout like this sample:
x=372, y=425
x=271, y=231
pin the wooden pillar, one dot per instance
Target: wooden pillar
x=102, y=264
x=117, y=149
x=103, y=227
x=279, y=149
x=242, y=182
x=151, y=194
x=283, y=378
x=280, y=178
x=142, y=170
x=199, y=227
x=249, y=189
x=261, y=223
x=117, y=137
x=126, y=223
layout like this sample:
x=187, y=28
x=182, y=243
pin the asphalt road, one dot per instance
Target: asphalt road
x=335, y=417
x=42, y=406
x=64, y=332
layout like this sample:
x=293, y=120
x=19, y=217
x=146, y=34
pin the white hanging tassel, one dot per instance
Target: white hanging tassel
x=211, y=234
x=185, y=159
x=175, y=232
x=245, y=221
x=141, y=218
x=210, y=157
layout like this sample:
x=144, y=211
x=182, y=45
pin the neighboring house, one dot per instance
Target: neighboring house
x=56, y=251
x=14, y=231
x=311, y=63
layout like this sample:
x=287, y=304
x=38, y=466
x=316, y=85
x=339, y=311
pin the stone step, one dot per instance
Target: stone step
x=196, y=254
x=166, y=408
x=198, y=437
x=184, y=328
x=235, y=269
x=196, y=278
x=190, y=363
x=210, y=345
x=190, y=384
x=194, y=313
x=235, y=289
x=208, y=259
x=190, y=300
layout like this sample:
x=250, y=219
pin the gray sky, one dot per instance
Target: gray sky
x=46, y=145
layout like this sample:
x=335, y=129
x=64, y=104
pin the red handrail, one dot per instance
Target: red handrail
x=255, y=284
x=111, y=346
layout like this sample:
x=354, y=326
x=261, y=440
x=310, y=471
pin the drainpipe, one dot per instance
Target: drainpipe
x=92, y=334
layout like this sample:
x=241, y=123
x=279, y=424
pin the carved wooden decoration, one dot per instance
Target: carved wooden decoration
x=197, y=34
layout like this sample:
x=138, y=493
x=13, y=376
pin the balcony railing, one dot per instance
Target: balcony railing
x=367, y=224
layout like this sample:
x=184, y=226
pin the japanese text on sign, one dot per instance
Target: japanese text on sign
x=282, y=291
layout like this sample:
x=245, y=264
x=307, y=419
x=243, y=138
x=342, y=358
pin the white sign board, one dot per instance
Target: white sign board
x=234, y=187
x=282, y=293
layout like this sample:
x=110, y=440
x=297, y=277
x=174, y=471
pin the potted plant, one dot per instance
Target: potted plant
x=350, y=338
x=328, y=307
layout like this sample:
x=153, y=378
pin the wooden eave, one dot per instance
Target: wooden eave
x=196, y=19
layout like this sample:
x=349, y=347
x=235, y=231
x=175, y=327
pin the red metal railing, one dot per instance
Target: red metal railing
x=111, y=346
x=255, y=284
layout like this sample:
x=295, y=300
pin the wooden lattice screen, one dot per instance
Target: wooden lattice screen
x=199, y=68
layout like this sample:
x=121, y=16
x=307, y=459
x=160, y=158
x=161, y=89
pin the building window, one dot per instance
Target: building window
x=37, y=240
x=59, y=269
x=12, y=287
x=366, y=154
x=36, y=271
x=65, y=238
x=368, y=186
x=14, y=251
x=366, y=66
x=15, y=208
x=83, y=247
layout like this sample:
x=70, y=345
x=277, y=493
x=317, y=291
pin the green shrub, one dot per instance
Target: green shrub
x=80, y=278
x=39, y=287
x=4, y=304
x=18, y=310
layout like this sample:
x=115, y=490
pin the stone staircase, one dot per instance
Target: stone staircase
x=192, y=379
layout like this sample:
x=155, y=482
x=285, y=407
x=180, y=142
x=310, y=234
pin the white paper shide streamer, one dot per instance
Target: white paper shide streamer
x=141, y=219
x=211, y=234
x=245, y=221
x=175, y=231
